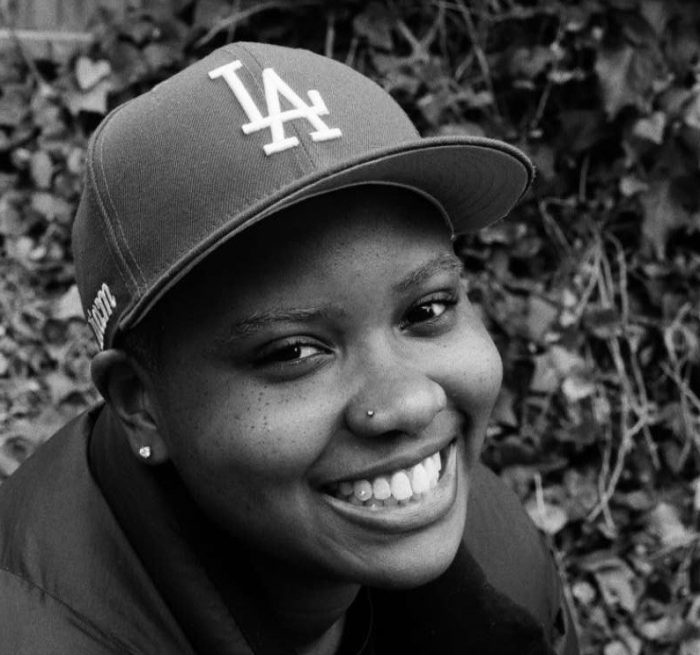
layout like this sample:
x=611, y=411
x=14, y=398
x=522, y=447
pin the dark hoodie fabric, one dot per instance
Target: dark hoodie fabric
x=100, y=554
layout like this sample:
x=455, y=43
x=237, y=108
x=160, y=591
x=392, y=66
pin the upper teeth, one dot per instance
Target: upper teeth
x=400, y=485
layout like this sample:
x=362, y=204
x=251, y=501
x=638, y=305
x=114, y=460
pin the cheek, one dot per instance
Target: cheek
x=488, y=371
x=227, y=427
x=476, y=373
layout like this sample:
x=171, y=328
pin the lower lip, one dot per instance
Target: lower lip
x=415, y=515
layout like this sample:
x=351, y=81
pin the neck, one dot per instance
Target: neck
x=310, y=609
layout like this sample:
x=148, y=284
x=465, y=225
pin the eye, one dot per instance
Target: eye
x=290, y=353
x=426, y=312
x=429, y=311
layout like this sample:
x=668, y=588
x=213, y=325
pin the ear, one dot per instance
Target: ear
x=127, y=389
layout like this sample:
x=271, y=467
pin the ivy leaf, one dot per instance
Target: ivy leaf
x=690, y=646
x=13, y=105
x=68, y=305
x=664, y=629
x=577, y=387
x=52, y=207
x=540, y=317
x=88, y=73
x=548, y=517
x=209, y=12
x=14, y=449
x=41, y=169
x=11, y=220
x=544, y=159
x=552, y=367
x=656, y=13
x=375, y=24
x=691, y=115
x=583, y=592
x=581, y=129
x=504, y=413
x=60, y=386
x=616, y=648
x=615, y=580
x=651, y=128
x=159, y=55
x=626, y=77
x=631, y=186
x=530, y=62
x=93, y=100
x=662, y=214
x=665, y=523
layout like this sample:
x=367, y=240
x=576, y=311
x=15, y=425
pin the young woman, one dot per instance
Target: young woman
x=296, y=388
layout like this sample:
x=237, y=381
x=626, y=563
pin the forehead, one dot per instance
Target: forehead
x=346, y=223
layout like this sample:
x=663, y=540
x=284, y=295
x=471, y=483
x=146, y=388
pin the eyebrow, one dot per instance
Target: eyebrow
x=445, y=263
x=260, y=320
x=256, y=321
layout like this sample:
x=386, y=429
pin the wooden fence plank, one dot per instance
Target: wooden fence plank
x=51, y=29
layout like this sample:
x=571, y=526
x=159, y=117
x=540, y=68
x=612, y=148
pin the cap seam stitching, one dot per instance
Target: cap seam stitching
x=116, y=215
x=297, y=133
x=111, y=239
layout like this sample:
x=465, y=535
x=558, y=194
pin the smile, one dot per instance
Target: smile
x=398, y=487
x=402, y=500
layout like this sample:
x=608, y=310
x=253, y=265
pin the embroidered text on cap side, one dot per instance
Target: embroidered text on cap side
x=275, y=87
x=98, y=315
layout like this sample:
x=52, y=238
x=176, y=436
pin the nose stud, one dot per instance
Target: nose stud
x=370, y=413
x=145, y=452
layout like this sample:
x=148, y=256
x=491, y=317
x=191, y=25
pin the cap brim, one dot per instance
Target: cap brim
x=474, y=180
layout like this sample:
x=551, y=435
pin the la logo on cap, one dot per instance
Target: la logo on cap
x=275, y=87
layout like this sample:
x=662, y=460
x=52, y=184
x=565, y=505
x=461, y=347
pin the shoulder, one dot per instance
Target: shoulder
x=513, y=555
x=32, y=621
x=505, y=542
x=51, y=504
x=67, y=572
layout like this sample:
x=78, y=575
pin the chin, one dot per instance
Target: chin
x=416, y=576
x=415, y=560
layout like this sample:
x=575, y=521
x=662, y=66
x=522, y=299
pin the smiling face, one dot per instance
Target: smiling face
x=316, y=373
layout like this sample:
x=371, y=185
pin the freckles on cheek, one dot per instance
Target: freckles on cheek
x=264, y=437
x=289, y=447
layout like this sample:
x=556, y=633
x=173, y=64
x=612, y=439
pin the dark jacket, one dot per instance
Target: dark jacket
x=74, y=581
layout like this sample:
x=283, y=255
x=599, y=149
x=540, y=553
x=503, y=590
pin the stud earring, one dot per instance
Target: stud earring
x=145, y=452
x=370, y=413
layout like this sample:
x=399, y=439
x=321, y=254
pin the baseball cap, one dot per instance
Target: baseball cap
x=237, y=136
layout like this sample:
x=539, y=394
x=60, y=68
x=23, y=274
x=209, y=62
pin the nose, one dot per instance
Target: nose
x=394, y=399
